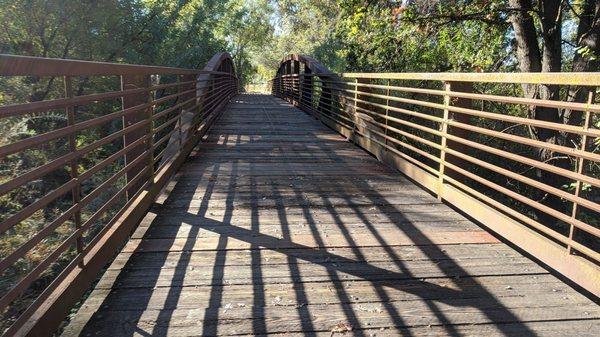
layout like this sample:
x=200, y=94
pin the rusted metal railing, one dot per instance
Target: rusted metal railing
x=471, y=140
x=158, y=115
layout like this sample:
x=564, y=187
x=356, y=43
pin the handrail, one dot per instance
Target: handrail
x=458, y=136
x=160, y=125
x=16, y=65
x=582, y=79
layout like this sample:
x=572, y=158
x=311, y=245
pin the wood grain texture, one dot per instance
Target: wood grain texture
x=278, y=226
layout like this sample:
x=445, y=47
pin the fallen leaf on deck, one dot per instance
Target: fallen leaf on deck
x=341, y=327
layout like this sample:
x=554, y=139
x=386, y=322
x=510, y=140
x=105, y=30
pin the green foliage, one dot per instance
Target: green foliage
x=304, y=27
x=384, y=36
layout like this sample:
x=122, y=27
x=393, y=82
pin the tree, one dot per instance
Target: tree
x=539, y=41
x=422, y=35
x=488, y=35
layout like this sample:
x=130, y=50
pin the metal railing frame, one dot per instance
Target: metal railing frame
x=349, y=104
x=199, y=98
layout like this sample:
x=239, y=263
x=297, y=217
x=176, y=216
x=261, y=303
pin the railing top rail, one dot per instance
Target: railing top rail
x=15, y=65
x=562, y=78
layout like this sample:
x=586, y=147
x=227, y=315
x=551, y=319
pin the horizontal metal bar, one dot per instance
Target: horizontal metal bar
x=527, y=161
x=497, y=116
x=61, y=103
x=512, y=156
x=531, y=182
x=527, y=201
x=87, y=199
x=37, y=237
x=100, y=212
x=60, y=162
x=66, y=131
x=528, y=141
x=159, y=128
x=482, y=97
x=20, y=287
x=13, y=65
x=401, y=154
x=558, y=78
x=27, y=211
x=170, y=109
x=110, y=202
x=163, y=139
x=524, y=219
x=112, y=158
x=167, y=98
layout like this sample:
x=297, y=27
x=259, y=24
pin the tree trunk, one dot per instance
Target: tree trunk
x=588, y=41
x=548, y=59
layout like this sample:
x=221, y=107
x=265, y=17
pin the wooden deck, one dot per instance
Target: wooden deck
x=277, y=225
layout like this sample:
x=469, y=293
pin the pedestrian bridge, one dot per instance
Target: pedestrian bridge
x=339, y=204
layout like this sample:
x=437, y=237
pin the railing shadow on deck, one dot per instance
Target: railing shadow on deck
x=380, y=278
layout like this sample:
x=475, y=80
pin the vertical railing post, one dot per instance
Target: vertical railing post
x=444, y=131
x=308, y=87
x=288, y=72
x=180, y=111
x=580, y=168
x=73, y=168
x=326, y=99
x=295, y=82
x=150, y=97
x=357, y=96
x=448, y=116
x=283, y=82
x=300, y=89
x=355, y=112
x=193, y=98
x=202, y=87
x=387, y=110
x=274, y=89
x=282, y=87
x=129, y=82
x=187, y=106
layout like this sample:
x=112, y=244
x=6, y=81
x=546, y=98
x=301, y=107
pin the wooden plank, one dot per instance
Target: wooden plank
x=184, y=275
x=182, y=229
x=282, y=319
x=322, y=293
x=245, y=238
x=141, y=260
x=585, y=328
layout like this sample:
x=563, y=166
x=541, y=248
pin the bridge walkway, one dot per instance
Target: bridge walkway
x=277, y=225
